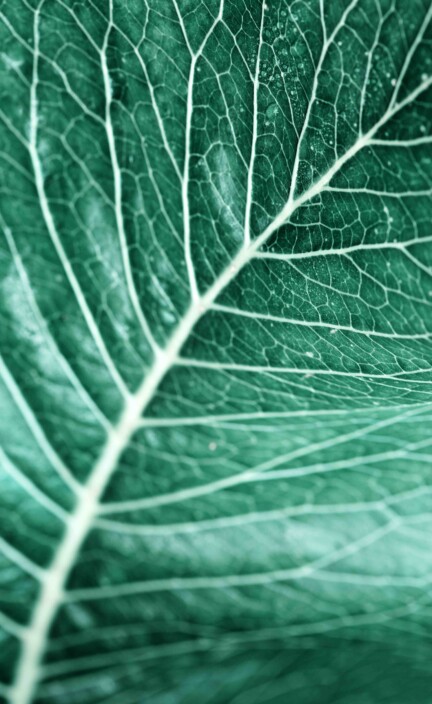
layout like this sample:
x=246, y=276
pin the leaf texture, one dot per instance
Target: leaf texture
x=216, y=365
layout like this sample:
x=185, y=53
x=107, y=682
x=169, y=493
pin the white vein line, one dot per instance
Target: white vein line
x=11, y=127
x=185, y=190
x=401, y=142
x=117, y=177
x=382, y=580
x=49, y=220
x=318, y=324
x=195, y=295
x=52, y=593
x=214, y=420
x=323, y=22
x=235, y=580
x=382, y=194
x=362, y=247
x=12, y=627
x=32, y=490
x=427, y=269
x=334, y=441
x=116, y=658
x=238, y=367
x=249, y=188
x=20, y=560
x=43, y=326
x=224, y=522
x=36, y=430
x=370, y=55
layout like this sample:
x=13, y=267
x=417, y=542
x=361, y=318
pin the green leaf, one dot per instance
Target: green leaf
x=215, y=376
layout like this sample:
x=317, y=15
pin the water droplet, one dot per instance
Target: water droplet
x=272, y=111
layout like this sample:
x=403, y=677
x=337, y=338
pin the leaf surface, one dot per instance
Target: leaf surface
x=215, y=372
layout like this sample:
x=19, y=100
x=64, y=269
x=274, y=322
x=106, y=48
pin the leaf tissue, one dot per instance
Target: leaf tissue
x=215, y=351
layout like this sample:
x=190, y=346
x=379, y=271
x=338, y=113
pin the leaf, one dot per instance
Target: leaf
x=216, y=351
